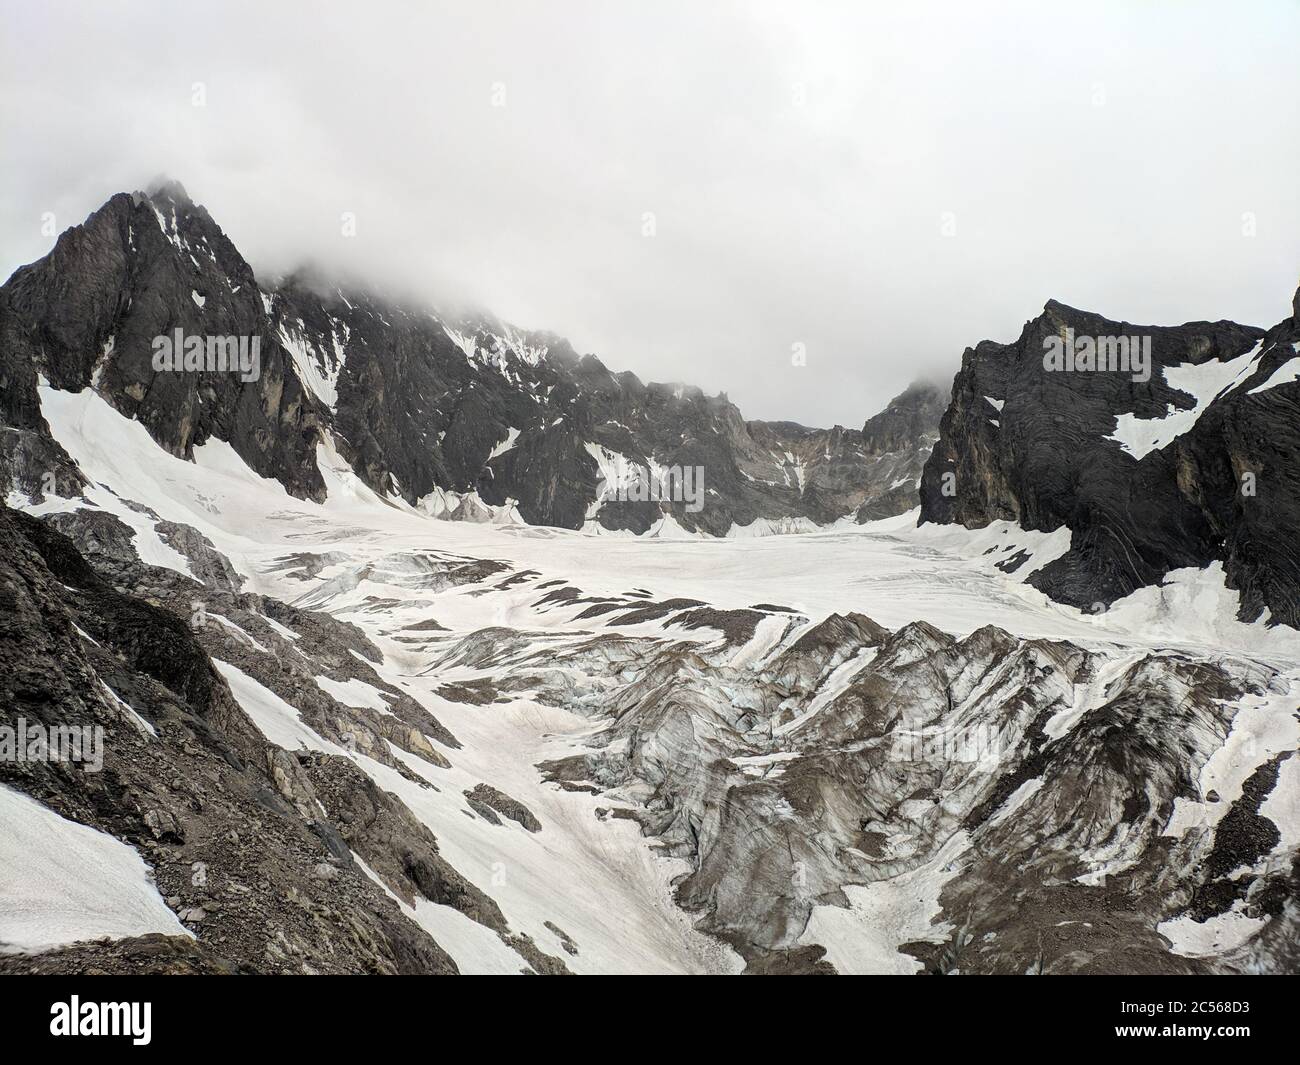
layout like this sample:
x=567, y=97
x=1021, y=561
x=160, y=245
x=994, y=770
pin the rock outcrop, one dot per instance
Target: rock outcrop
x=1190, y=462
x=253, y=846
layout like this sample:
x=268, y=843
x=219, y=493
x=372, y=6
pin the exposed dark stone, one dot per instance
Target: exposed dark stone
x=1044, y=460
x=200, y=791
x=493, y=799
x=416, y=402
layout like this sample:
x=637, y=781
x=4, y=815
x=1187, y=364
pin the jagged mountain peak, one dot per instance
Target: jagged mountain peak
x=1157, y=447
x=1055, y=307
x=426, y=405
x=1191, y=341
x=169, y=189
x=910, y=420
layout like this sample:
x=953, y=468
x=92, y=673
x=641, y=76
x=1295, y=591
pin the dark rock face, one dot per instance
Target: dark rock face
x=250, y=844
x=197, y=791
x=463, y=412
x=1219, y=483
x=914, y=415
x=874, y=473
x=484, y=795
x=898, y=442
x=141, y=267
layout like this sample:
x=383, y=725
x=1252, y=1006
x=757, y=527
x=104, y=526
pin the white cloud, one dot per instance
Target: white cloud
x=798, y=159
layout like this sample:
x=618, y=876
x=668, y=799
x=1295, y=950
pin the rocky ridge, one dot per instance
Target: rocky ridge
x=459, y=413
x=1195, y=465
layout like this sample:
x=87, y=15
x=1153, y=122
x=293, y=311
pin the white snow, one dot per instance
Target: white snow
x=64, y=882
x=446, y=504
x=284, y=631
x=1263, y=727
x=1017, y=799
x=127, y=710
x=600, y=880
x=320, y=382
x=198, y=300
x=340, y=333
x=465, y=343
x=505, y=445
x=97, y=374
x=669, y=528
x=243, y=635
x=616, y=897
x=354, y=693
x=85, y=414
x=1195, y=607
x=890, y=570
x=1198, y=939
x=169, y=231
x=834, y=686
x=767, y=635
x=1286, y=373
x=764, y=765
x=475, y=948
x=614, y=473
x=279, y=722
x=772, y=527
x=864, y=939
x=1091, y=695
x=529, y=353
x=1204, y=383
x=1282, y=806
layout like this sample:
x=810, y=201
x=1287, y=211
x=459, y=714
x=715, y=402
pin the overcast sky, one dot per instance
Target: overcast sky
x=800, y=161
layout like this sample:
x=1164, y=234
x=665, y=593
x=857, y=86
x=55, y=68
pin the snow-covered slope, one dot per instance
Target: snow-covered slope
x=702, y=755
x=62, y=882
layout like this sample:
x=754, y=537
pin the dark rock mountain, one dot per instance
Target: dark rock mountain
x=912, y=416
x=138, y=268
x=872, y=473
x=316, y=777
x=903, y=436
x=460, y=414
x=1199, y=463
x=76, y=650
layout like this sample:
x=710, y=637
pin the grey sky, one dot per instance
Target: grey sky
x=798, y=160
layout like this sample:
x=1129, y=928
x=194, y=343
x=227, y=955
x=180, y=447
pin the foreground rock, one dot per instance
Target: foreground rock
x=254, y=847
